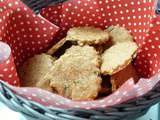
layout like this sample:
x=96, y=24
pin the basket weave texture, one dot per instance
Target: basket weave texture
x=125, y=111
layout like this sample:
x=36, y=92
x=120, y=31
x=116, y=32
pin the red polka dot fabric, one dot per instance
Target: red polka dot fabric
x=8, y=71
x=24, y=32
x=103, y=13
x=28, y=34
x=148, y=60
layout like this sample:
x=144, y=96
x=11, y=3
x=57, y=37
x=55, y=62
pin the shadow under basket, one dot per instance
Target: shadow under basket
x=22, y=48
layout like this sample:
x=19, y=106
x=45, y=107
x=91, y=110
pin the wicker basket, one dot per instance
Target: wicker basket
x=125, y=111
x=35, y=111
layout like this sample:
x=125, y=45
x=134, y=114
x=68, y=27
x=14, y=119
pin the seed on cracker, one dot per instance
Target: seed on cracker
x=87, y=35
x=122, y=76
x=75, y=74
x=119, y=34
x=117, y=57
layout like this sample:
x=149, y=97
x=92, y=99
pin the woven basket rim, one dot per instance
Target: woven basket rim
x=132, y=108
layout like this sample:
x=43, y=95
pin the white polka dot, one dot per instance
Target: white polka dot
x=51, y=27
x=1, y=75
x=109, y=14
x=36, y=22
x=24, y=90
x=36, y=29
x=77, y=2
x=156, y=65
x=88, y=12
x=43, y=100
x=16, y=3
x=85, y=4
x=119, y=99
x=19, y=16
x=152, y=46
x=153, y=32
x=103, y=105
x=132, y=3
x=149, y=54
x=10, y=4
x=8, y=61
x=75, y=7
x=77, y=106
x=101, y=101
x=5, y=69
x=122, y=18
x=110, y=101
x=44, y=35
x=157, y=38
x=34, y=95
x=22, y=23
x=10, y=76
x=29, y=98
x=78, y=15
x=121, y=12
x=25, y=8
x=133, y=10
x=155, y=54
x=1, y=10
x=18, y=9
x=84, y=103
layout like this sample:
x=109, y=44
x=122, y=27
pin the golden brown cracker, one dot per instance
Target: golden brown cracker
x=34, y=70
x=87, y=35
x=119, y=34
x=117, y=57
x=75, y=74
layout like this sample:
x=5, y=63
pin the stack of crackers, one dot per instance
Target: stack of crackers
x=84, y=63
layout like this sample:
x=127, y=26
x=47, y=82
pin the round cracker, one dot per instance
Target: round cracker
x=34, y=70
x=87, y=35
x=75, y=74
x=117, y=57
x=119, y=34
